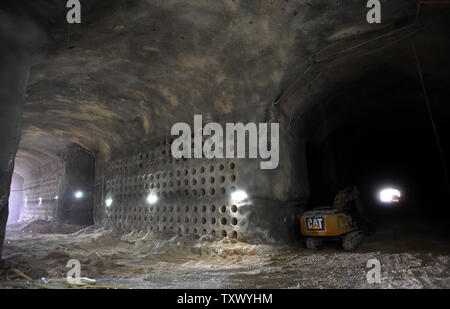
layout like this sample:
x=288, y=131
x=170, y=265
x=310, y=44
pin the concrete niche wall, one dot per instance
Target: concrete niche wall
x=40, y=192
x=195, y=196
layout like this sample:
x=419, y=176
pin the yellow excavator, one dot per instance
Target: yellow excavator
x=343, y=221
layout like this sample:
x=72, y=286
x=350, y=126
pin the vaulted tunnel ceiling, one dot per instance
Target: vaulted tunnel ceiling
x=133, y=68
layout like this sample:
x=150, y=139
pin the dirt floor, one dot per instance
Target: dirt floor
x=40, y=250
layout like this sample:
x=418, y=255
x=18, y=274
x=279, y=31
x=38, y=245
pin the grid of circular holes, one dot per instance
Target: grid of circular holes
x=194, y=180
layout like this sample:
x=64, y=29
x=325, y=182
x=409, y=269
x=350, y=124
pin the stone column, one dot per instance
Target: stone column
x=14, y=67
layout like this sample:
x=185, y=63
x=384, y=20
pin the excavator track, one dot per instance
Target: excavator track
x=352, y=240
x=314, y=243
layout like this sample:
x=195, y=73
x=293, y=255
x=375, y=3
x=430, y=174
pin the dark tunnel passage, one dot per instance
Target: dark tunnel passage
x=378, y=133
x=77, y=190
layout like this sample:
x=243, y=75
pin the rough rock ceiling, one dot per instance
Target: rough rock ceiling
x=132, y=68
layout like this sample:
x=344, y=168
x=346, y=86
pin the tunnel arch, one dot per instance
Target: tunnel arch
x=368, y=116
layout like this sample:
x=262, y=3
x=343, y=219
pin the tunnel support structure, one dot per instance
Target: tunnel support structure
x=14, y=64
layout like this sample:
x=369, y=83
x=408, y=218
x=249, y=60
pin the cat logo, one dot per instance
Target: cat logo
x=315, y=224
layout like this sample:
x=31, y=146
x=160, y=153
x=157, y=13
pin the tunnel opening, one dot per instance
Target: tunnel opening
x=61, y=190
x=376, y=133
x=77, y=189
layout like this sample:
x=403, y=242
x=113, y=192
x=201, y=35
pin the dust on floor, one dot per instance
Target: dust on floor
x=146, y=260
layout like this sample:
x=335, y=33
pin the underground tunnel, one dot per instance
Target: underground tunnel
x=202, y=144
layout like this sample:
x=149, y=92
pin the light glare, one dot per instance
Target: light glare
x=390, y=195
x=152, y=198
x=109, y=202
x=239, y=196
x=79, y=194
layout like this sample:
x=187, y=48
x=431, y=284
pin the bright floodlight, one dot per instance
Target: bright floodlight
x=56, y=197
x=109, y=202
x=238, y=196
x=390, y=195
x=40, y=200
x=152, y=198
x=79, y=194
